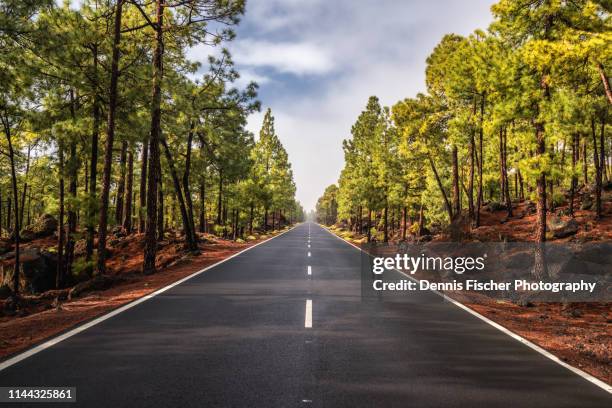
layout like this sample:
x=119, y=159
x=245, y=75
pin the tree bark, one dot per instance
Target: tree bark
x=186, y=189
x=447, y=203
x=190, y=239
x=574, y=181
x=202, y=205
x=585, y=171
x=386, y=220
x=479, y=199
x=144, y=166
x=604, y=80
x=154, y=137
x=127, y=212
x=540, y=234
x=72, y=216
x=59, y=277
x=121, y=184
x=598, y=165
x=93, y=166
x=220, y=200
x=252, y=208
x=506, y=192
x=110, y=135
x=456, y=197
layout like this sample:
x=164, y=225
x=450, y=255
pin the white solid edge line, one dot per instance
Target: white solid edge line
x=309, y=270
x=49, y=343
x=308, y=316
x=601, y=384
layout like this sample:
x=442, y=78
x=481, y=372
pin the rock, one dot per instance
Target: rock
x=27, y=236
x=5, y=292
x=96, y=283
x=495, y=206
x=530, y=207
x=424, y=238
x=587, y=203
x=562, y=229
x=5, y=246
x=38, y=271
x=44, y=226
x=118, y=232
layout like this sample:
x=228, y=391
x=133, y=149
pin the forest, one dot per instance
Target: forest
x=109, y=130
x=515, y=120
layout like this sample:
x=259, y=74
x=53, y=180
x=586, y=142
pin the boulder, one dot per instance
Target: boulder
x=5, y=292
x=495, y=206
x=38, y=271
x=99, y=282
x=562, y=229
x=27, y=235
x=587, y=203
x=5, y=246
x=44, y=226
x=119, y=232
x=530, y=207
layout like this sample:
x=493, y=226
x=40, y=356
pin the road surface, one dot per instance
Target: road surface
x=286, y=325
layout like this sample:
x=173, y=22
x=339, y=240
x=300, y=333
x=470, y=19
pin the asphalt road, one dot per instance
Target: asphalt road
x=237, y=336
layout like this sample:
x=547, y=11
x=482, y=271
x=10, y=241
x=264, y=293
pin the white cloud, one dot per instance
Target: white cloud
x=357, y=48
x=286, y=57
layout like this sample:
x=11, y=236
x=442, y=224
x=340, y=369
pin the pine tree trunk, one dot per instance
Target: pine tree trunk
x=540, y=234
x=479, y=199
x=598, y=171
x=421, y=221
x=154, y=136
x=59, y=277
x=186, y=189
x=574, y=181
x=93, y=165
x=220, y=199
x=110, y=135
x=369, y=232
x=72, y=216
x=604, y=80
x=252, y=207
x=144, y=165
x=585, y=171
x=447, y=203
x=190, y=239
x=160, y=203
x=127, y=212
x=505, y=172
x=202, y=205
x=121, y=185
x=386, y=221
x=456, y=197
x=265, y=220
x=16, y=230
x=404, y=222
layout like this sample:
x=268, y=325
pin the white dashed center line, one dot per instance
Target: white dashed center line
x=309, y=270
x=308, y=317
x=308, y=253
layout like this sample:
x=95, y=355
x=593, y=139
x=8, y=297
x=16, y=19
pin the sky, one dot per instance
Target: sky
x=318, y=61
